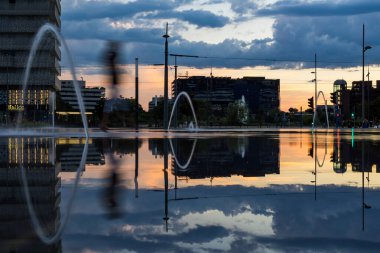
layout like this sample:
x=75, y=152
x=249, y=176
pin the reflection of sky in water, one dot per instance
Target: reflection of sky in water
x=256, y=194
x=281, y=218
x=271, y=213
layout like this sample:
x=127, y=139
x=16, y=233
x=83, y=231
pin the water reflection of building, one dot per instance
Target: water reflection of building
x=225, y=157
x=69, y=154
x=37, y=156
x=350, y=152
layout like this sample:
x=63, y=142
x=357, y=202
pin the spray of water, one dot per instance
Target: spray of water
x=315, y=111
x=36, y=42
x=183, y=93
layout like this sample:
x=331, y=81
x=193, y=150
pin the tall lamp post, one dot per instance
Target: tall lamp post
x=365, y=48
x=166, y=36
x=315, y=83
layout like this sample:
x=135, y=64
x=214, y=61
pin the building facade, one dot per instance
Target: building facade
x=19, y=22
x=261, y=95
x=91, y=96
x=349, y=100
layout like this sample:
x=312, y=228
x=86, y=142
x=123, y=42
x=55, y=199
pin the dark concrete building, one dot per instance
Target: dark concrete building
x=19, y=22
x=261, y=95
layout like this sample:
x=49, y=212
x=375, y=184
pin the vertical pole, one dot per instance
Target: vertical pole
x=368, y=95
x=363, y=116
x=315, y=86
x=137, y=94
x=175, y=90
x=53, y=108
x=166, y=36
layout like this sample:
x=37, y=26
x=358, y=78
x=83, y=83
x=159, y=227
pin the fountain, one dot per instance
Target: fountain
x=243, y=112
x=183, y=93
x=35, y=222
x=36, y=42
x=315, y=111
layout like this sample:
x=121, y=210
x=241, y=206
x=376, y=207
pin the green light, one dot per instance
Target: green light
x=352, y=137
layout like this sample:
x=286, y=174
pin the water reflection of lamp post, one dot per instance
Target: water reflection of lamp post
x=364, y=205
x=136, y=167
x=365, y=48
x=166, y=218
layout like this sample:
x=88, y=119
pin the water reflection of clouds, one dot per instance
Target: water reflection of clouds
x=274, y=219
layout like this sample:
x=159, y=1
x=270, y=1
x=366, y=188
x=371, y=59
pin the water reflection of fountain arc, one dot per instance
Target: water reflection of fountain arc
x=183, y=167
x=35, y=222
x=316, y=151
x=36, y=42
x=183, y=93
x=315, y=111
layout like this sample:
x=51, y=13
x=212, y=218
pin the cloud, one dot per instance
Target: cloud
x=94, y=10
x=88, y=10
x=300, y=30
x=332, y=223
x=320, y=8
x=199, y=18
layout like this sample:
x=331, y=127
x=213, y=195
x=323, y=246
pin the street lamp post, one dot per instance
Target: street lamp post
x=364, y=49
x=315, y=83
x=166, y=36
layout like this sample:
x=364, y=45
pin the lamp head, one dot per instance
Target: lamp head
x=366, y=48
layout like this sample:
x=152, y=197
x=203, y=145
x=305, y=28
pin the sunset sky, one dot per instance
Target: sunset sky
x=275, y=39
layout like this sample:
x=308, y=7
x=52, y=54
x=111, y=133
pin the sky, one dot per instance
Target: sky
x=272, y=38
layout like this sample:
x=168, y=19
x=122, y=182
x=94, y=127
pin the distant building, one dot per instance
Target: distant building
x=91, y=96
x=155, y=101
x=349, y=101
x=261, y=95
x=19, y=22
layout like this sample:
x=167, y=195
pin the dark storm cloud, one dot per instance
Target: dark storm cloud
x=93, y=10
x=242, y=7
x=320, y=8
x=196, y=17
x=86, y=10
x=296, y=37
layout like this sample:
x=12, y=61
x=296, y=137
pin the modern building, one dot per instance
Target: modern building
x=261, y=95
x=91, y=96
x=154, y=102
x=19, y=22
x=349, y=100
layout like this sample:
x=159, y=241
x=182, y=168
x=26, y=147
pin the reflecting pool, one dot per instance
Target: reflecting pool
x=241, y=192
